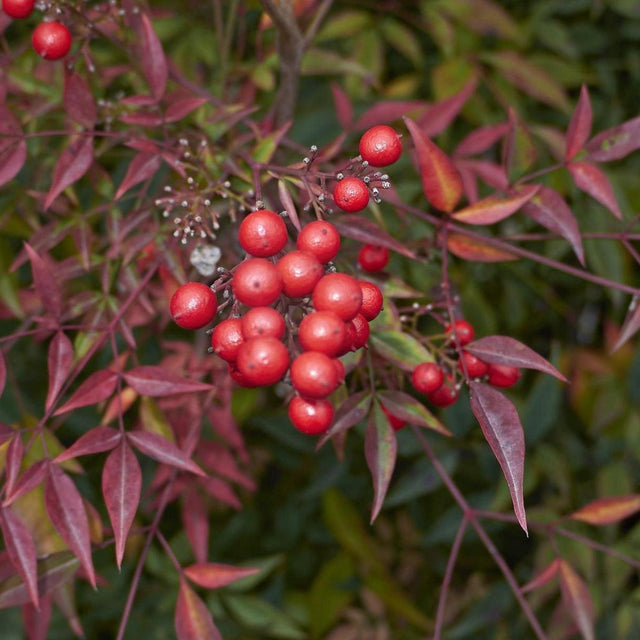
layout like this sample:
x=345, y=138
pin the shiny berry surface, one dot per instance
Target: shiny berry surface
x=18, y=9
x=502, y=375
x=256, y=282
x=314, y=375
x=361, y=333
x=323, y=331
x=311, y=417
x=193, y=305
x=263, y=234
x=338, y=292
x=351, y=195
x=475, y=368
x=462, y=330
x=373, y=258
x=444, y=396
x=321, y=239
x=372, y=300
x=300, y=272
x=263, y=361
x=380, y=146
x=51, y=40
x=427, y=377
x=261, y=322
x=227, y=338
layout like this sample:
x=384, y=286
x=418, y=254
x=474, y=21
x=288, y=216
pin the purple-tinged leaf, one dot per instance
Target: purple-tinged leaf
x=544, y=577
x=96, y=440
x=96, y=388
x=580, y=125
x=631, y=324
x=222, y=491
x=150, y=380
x=593, y=181
x=46, y=285
x=160, y=449
x=21, y=550
x=142, y=167
x=13, y=461
x=60, y=361
x=615, y=143
x=519, y=152
x=350, y=412
x=489, y=172
x=385, y=112
x=440, y=115
x=182, y=107
x=608, y=510
x=154, y=63
x=78, y=101
x=36, y=621
x=407, y=408
x=342, y=103
x=13, y=148
x=3, y=372
x=577, y=600
x=67, y=514
x=195, y=520
x=511, y=352
x=193, y=620
x=367, y=232
x=28, y=481
x=71, y=166
x=479, y=140
x=142, y=118
x=288, y=204
x=493, y=208
x=121, y=485
x=503, y=431
x=476, y=250
x=212, y=575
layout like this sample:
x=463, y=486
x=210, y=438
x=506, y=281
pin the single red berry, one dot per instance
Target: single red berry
x=502, y=375
x=51, y=40
x=314, y=375
x=263, y=361
x=463, y=331
x=227, y=338
x=18, y=8
x=193, y=305
x=300, y=272
x=351, y=337
x=262, y=321
x=373, y=258
x=427, y=377
x=351, y=194
x=256, y=282
x=362, y=331
x=320, y=238
x=311, y=417
x=446, y=395
x=380, y=146
x=475, y=367
x=323, y=331
x=395, y=422
x=338, y=292
x=371, y=300
x=239, y=378
x=263, y=234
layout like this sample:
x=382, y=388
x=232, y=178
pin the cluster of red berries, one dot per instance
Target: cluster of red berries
x=51, y=40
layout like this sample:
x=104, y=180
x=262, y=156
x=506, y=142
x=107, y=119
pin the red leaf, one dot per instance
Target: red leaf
x=13, y=461
x=440, y=115
x=503, y=431
x=195, y=520
x=509, y=351
x=388, y=111
x=615, y=143
x=212, y=575
x=156, y=381
x=95, y=440
x=441, y=182
x=13, y=148
x=380, y=450
x=545, y=576
x=222, y=491
x=591, y=180
x=37, y=621
x=548, y=208
x=474, y=249
x=479, y=140
x=493, y=209
x=121, y=484
x=60, y=362
x=47, y=287
x=78, y=101
x=21, y=550
x=577, y=600
x=142, y=167
x=3, y=372
x=367, y=232
x=96, y=388
x=580, y=125
x=350, y=412
x=630, y=326
x=160, y=449
x=193, y=620
x=344, y=108
x=154, y=63
x=71, y=166
x=288, y=204
x=143, y=118
x=69, y=517
x=489, y=172
x=608, y=510
x=182, y=107
x=28, y=481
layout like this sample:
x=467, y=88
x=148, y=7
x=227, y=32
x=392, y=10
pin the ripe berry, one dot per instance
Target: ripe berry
x=380, y=146
x=463, y=331
x=300, y=272
x=475, y=367
x=371, y=300
x=501, y=375
x=338, y=292
x=256, y=282
x=239, y=378
x=263, y=234
x=446, y=395
x=427, y=377
x=261, y=322
x=193, y=305
x=311, y=417
x=339, y=369
x=51, y=40
x=323, y=331
x=351, y=194
x=263, y=361
x=362, y=331
x=373, y=258
x=314, y=375
x=227, y=338
x=18, y=8
x=350, y=339
x=320, y=238
x=395, y=422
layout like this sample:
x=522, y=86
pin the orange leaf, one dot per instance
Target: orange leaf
x=493, y=209
x=193, y=620
x=577, y=600
x=475, y=250
x=608, y=510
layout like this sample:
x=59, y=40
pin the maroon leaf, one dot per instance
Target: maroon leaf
x=479, y=140
x=71, y=166
x=143, y=118
x=493, y=208
x=580, y=125
x=195, y=520
x=212, y=575
x=350, y=412
x=160, y=449
x=489, y=172
x=509, y=351
x=503, y=431
x=28, y=481
x=545, y=576
x=21, y=550
x=182, y=107
x=591, y=180
x=96, y=388
x=69, y=517
x=13, y=461
x=78, y=101
x=95, y=440
x=154, y=63
x=631, y=324
x=47, y=287
x=13, y=148
x=60, y=362
x=344, y=108
x=3, y=372
x=385, y=112
x=221, y=490
x=37, y=620
x=577, y=599
x=364, y=230
x=440, y=115
x=288, y=204
x=548, y=208
x=150, y=380
x=193, y=620
x=142, y=167
x=121, y=484
x=615, y=143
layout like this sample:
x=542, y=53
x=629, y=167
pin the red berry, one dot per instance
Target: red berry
x=475, y=367
x=338, y=292
x=463, y=331
x=314, y=375
x=239, y=378
x=351, y=337
x=323, y=331
x=18, y=8
x=262, y=321
x=371, y=300
x=263, y=234
x=373, y=258
x=320, y=238
x=51, y=40
x=446, y=395
x=227, y=338
x=351, y=194
x=193, y=305
x=256, y=282
x=300, y=272
x=395, y=422
x=501, y=375
x=311, y=417
x=380, y=146
x=340, y=370
x=362, y=331
x=427, y=377
x=263, y=361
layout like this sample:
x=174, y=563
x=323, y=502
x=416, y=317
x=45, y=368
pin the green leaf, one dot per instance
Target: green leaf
x=400, y=349
x=322, y=62
x=411, y=410
x=402, y=39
